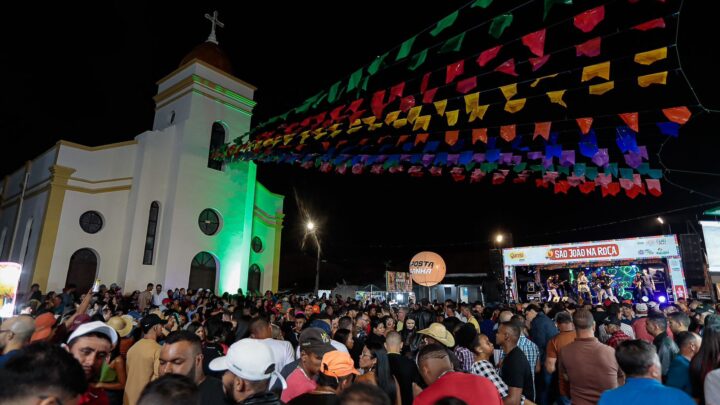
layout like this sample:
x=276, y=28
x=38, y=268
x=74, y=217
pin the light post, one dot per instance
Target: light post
x=312, y=229
x=661, y=221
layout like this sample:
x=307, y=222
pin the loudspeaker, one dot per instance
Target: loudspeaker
x=692, y=259
x=496, y=263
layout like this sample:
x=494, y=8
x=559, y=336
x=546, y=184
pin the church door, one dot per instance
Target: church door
x=202, y=271
x=82, y=270
x=254, y=279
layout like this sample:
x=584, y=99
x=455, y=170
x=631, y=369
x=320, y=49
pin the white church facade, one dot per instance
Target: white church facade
x=154, y=209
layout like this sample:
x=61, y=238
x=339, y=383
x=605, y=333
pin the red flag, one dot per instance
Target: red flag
x=436, y=171
x=507, y=132
x=360, y=113
x=479, y=134
x=376, y=104
x=613, y=188
x=325, y=145
x=588, y=20
x=476, y=176
x=631, y=119
x=407, y=103
x=424, y=83
x=507, y=67
x=451, y=137
x=416, y=171
x=335, y=113
x=465, y=85
x=678, y=115
x=542, y=129
x=421, y=138
x=535, y=42
x=396, y=91
x=498, y=178
x=454, y=70
x=653, y=186
x=457, y=173
x=590, y=48
x=356, y=104
x=585, y=124
x=562, y=186
x=656, y=23
x=587, y=187
x=541, y=183
x=488, y=55
x=429, y=95
x=401, y=139
x=363, y=141
x=537, y=63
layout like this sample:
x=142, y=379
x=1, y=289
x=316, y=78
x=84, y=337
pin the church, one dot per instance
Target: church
x=155, y=209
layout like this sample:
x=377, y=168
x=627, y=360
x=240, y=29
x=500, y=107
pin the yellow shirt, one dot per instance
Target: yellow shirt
x=475, y=323
x=143, y=359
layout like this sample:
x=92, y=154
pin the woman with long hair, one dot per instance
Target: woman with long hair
x=707, y=358
x=345, y=337
x=409, y=335
x=376, y=371
x=377, y=332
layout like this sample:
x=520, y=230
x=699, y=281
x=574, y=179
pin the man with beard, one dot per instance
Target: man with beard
x=91, y=344
x=248, y=367
x=182, y=354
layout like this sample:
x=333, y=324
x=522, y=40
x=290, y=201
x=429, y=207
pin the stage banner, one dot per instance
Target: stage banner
x=711, y=231
x=677, y=276
x=619, y=249
x=397, y=281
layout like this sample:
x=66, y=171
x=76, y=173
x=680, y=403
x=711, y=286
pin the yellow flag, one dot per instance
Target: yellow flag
x=354, y=129
x=440, y=107
x=599, y=70
x=650, y=57
x=334, y=127
x=335, y=133
x=375, y=126
x=513, y=106
x=471, y=102
x=303, y=136
x=452, y=117
x=655, y=78
x=356, y=122
x=288, y=138
x=413, y=113
x=479, y=112
x=267, y=142
x=535, y=83
x=509, y=91
x=556, y=97
x=320, y=135
x=391, y=117
x=423, y=122
x=602, y=88
x=400, y=123
x=369, y=120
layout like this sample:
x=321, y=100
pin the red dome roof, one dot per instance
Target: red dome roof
x=210, y=53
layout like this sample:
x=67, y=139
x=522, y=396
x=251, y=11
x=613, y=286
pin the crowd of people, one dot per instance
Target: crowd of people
x=194, y=347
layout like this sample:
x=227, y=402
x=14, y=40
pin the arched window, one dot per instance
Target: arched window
x=151, y=233
x=26, y=240
x=82, y=269
x=217, y=139
x=203, y=270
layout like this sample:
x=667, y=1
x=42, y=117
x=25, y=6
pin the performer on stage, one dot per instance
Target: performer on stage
x=605, y=287
x=583, y=287
x=637, y=284
x=552, y=288
x=648, y=285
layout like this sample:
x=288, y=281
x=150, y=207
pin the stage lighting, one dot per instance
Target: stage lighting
x=662, y=299
x=645, y=298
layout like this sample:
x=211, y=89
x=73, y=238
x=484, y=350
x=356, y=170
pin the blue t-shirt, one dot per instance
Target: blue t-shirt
x=645, y=391
x=4, y=358
x=678, y=375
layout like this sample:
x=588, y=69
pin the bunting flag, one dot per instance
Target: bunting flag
x=542, y=129
x=654, y=78
x=601, y=70
x=396, y=92
x=537, y=81
x=424, y=82
x=650, y=57
x=399, y=123
x=653, y=187
x=588, y=20
x=418, y=59
x=499, y=24
x=550, y=3
x=507, y=67
x=440, y=107
x=589, y=48
x=509, y=90
x=406, y=103
x=376, y=64
x=479, y=134
x=602, y=88
x=652, y=24
x=402, y=139
x=391, y=117
x=556, y=97
x=535, y=42
x=507, y=132
x=423, y=122
x=405, y=49
x=585, y=124
x=421, y=138
x=444, y=23
x=413, y=114
x=471, y=102
x=452, y=117
x=333, y=93
x=453, y=44
x=355, y=79
x=679, y=115
x=537, y=63
x=488, y=55
x=451, y=137
x=454, y=70
x=481, y=3
x=631, y=119
x=669, y=128
x=429, y=95
x=465, y=85
x=513, y=106
x=479, y=112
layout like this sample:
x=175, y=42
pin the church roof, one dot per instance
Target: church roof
x=210, y=53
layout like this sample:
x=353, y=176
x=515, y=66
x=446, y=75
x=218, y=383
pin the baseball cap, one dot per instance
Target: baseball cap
x=315, y=340
x=338, y=364
x=151, y=320
x=438, y=332
x=611, y=321
x=641, y=308
x=249, y=359
x=705, y=309
x=97, y=326
x=43, y=326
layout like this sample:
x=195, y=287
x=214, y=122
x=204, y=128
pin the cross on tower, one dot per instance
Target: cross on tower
x=214, y=20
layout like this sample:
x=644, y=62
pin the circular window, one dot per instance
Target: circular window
x=209, y=221
x=257, y=245
x=91, y=222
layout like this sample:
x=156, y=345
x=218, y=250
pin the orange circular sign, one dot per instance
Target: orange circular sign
x=427, y=268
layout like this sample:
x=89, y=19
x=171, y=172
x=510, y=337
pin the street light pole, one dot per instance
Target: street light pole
x=313, y=230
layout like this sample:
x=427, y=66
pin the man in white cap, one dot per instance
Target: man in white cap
x=91, y=344
x=248, y=367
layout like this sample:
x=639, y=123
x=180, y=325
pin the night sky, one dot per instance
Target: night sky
x=87, y=75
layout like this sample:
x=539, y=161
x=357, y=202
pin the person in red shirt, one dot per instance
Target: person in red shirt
x=617, y=336
x=437, y=371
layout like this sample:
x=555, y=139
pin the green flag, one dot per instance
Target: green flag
x=519, y=167
x=453, y=44
x=563, y=170
x=376, y=64
x=319, y=100
x=550, y=3
x=405, y=48
x=481, y=3
x=444, y=23
x=355, y=79
x=499, y=23
x=418, y=59
x=333, y=92
x=365, y=83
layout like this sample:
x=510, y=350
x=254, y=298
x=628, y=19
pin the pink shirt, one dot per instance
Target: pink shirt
x=297, y=384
